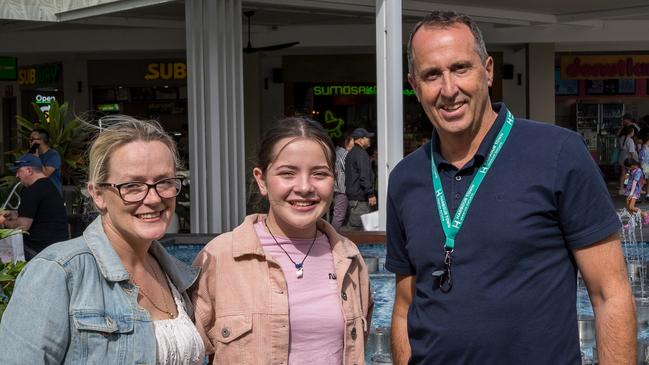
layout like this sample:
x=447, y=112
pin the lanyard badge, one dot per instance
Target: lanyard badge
x=442, y=279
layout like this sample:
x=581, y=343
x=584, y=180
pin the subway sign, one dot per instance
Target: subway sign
x=49, y=74
x=347, y=90
x=166, y=71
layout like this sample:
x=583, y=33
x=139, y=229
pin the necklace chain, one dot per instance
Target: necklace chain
x=155, y=274
x=298, y=267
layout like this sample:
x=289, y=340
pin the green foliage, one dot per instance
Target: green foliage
x=68, y=136
x=7, y=232
x=8, y=274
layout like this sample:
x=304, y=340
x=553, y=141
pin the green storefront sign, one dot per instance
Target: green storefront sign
x=8, y=68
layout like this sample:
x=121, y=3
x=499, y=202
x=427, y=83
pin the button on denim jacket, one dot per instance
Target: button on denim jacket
x=73, y=304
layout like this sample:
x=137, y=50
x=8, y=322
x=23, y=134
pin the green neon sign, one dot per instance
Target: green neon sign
x=333, y=124
x=347, y=90
x=108, y=107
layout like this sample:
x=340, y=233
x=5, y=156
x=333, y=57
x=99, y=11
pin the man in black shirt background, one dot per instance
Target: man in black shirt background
x=359, y=179
x=41, y=211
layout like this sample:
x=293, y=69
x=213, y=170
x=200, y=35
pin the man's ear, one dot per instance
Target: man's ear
x=413, y=84
x=261, y=182
x=489, y=66
x=97, y=196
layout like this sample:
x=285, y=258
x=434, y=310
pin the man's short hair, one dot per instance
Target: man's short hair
x=445, y=19
x=45, y=136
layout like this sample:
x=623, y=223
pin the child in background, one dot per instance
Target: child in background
x=644, y=159
x=634, y=184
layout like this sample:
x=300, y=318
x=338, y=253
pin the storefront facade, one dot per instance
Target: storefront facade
x=594, y=90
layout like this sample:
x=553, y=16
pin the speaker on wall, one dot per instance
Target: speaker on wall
x=278, y=75
x=508, y=71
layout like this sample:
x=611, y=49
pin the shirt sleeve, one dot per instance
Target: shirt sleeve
x=365, y=170
x=202, y=299
x=29, y=201
x=586, y=212
x=397, y=259
x=35, y=326
x=630, y=147
x=52, y=160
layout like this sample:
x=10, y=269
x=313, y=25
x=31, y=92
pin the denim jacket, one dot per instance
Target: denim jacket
x=73, y=304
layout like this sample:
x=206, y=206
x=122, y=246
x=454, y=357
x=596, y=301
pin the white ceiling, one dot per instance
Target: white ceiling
x=523, y=20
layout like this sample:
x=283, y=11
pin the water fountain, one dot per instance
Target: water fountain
x=636, y=253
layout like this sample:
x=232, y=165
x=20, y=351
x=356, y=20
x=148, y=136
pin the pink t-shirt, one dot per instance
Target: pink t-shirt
x=315, y=315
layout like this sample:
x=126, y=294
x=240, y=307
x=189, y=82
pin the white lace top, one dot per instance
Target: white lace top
x=178, y=342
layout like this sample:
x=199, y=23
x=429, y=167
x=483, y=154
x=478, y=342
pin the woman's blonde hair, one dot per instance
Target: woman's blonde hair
x=120, y=130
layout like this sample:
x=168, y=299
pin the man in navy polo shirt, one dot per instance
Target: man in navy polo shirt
x=486, y=269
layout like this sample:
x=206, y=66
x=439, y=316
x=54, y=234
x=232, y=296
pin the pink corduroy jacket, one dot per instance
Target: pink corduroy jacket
x=241, y=298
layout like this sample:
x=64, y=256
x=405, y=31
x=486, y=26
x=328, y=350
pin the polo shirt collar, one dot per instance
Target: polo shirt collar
x=485, y=146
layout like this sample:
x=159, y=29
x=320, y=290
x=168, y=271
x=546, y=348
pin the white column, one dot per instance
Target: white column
x=215, y=112
x=540, y=82
x=389, y=96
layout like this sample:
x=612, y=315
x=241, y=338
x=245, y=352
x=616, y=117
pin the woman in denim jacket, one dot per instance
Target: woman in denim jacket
x=114, y=295
x=286, y=287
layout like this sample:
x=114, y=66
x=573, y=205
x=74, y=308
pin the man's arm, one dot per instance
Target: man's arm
x=405, y=291
x=51, y=162
x=48, y=170
x=365, y=174
x=604, y=272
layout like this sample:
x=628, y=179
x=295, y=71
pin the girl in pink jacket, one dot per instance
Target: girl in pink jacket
x=285, y=287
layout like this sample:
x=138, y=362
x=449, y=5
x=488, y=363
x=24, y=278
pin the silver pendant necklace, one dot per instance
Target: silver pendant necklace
x=299, y=267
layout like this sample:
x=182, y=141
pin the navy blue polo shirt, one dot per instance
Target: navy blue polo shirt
x=514, y=276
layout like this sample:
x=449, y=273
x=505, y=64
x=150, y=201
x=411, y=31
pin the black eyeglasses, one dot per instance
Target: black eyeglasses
x=136, y=191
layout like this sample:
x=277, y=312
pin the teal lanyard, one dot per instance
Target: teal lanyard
x=452, y=227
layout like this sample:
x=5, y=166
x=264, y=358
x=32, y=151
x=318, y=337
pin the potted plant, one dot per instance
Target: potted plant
x=68, y=136
x=8, y=273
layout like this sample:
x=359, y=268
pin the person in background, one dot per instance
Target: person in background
x=644, y=126
x=41, y=212
x=627, y=148
x=643, y=155
x=634, y=185
x=341, y=203
x=285, y=287
x=114, y=295
x=359, y=179
x=39, y=146
x=627, y=119
x=488, y=223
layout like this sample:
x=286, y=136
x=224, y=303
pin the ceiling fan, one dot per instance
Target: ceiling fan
x=250, y=49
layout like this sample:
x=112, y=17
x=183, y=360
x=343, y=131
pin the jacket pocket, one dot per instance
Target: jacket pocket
x=101, y=338
x=100, y=322
x=231, y=337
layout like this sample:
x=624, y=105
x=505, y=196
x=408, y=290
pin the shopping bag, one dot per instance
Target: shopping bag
x=370, y=221
x=11, y=248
